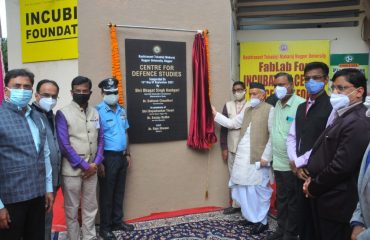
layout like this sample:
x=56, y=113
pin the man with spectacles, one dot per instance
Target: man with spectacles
x=360, y=221
x=81, y=142
x=336, y=157
x=310, y=122
x=229, y=137
x=46, y=98
x=26, y=188
x=112, y=173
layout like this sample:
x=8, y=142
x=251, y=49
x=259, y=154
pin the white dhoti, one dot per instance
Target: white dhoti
x=254, y=200
x=249, y=185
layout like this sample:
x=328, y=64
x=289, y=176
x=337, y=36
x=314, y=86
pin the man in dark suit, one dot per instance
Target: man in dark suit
x=360, y=221
x=335, y=159
x=310, y=121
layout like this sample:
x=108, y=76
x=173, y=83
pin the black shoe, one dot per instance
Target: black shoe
x=277, y=235
x=259, y=228
x=231, y=210
x=107, y=235
x=123, y=227
x=246, y=223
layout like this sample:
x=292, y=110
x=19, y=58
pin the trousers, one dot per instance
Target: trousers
x=112, y=190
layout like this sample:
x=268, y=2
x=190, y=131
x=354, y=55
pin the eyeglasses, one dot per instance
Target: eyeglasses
x=47, y=95
x=111, y=93
x=340, y=88
x=238, y=90
x=316, y=77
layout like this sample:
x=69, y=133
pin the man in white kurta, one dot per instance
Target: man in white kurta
x=250, y=175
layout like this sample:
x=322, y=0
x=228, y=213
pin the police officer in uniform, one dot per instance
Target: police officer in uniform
x=112, y=173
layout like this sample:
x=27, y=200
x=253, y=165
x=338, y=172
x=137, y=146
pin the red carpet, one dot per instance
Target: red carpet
x=59, y=219
x=175, y=213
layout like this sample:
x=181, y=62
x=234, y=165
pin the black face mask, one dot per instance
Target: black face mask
x=81, y=99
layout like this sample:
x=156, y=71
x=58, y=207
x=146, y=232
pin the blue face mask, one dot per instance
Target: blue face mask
x=314, y=87
x=20, y=97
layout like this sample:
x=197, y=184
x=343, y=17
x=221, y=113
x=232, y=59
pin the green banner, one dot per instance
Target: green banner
x=356, y=60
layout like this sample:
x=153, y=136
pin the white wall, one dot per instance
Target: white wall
x=342, y=40
x=60, y=71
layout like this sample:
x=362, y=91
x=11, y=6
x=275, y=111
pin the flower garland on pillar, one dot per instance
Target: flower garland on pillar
x=206, y=41
x=116, y=65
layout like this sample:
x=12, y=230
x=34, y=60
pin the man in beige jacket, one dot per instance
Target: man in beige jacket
x=81, y=142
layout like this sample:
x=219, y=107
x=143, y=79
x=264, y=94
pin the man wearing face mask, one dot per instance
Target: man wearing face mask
x=335, y=159
x=249, y=181
x=286, y=197
x=310, y=122
x=112, y=173
x=46, y=98
x=26, y=188
x=360, y=221
x=81, y=141
x=229, y=137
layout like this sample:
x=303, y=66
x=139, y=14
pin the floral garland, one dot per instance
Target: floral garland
x=206, y=41
x=116, y=66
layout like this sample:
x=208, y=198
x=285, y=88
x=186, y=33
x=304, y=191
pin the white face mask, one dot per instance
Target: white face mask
x=339, y=101
x=254, y=102
x=281, y=92
x=239, y=96
x=111, y=99
x=47, y=103
x=367, y=104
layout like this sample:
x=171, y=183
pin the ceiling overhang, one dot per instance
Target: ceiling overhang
x=291, y=14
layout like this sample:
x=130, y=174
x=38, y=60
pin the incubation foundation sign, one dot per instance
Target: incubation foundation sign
x=48, y=30
x=156, y=90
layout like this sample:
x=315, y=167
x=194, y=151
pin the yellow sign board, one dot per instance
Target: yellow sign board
x=260, y=61
x=49, y=30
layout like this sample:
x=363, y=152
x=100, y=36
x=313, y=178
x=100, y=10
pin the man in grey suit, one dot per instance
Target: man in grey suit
x=360, y=221
x=46, y=98
x=26, y=188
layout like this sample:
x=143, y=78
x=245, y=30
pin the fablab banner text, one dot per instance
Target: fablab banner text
x=260, y=61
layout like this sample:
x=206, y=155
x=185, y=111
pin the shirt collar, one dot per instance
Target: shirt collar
x=15, y=107
x=310, y=101
x=107, y=108
x=289, y=102
x=345, y=109
x=28, y=111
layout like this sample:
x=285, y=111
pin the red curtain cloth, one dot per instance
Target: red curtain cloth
x=202, y=128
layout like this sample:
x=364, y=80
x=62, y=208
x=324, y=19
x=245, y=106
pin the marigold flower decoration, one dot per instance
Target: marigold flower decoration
x=205, y=35
x=116, y=65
